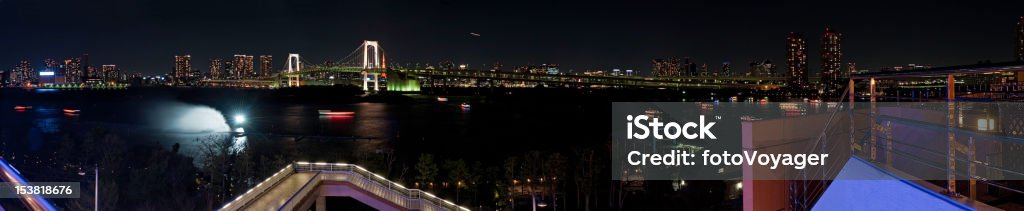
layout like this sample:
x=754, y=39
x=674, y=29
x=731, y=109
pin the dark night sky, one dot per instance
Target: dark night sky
x=144, y=35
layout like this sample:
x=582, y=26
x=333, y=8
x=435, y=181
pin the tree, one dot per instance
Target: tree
x=510, y=167
x=584, y=176
x=554, y=168
x=427, y=169
x=531, y=168
x=458, y=173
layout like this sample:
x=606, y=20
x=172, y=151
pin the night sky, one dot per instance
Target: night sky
x=143, y=36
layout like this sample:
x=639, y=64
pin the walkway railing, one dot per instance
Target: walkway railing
x=261, y=188
x=357, y=176
x=375, y=184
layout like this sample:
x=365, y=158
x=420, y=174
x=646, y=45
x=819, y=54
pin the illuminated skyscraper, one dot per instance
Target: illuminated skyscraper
x=73, y=70
x=266, y=66
x=666, y=67
x=23, y=73
x=182, y=69
x=796, y=60
x=831, y=56
x=216, y=68
x=110, y=73
x=243, y=66
x=51, y=65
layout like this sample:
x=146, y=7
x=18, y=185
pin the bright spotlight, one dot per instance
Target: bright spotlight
x=239, y=119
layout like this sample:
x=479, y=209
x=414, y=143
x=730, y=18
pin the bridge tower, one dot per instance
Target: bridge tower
x=294, y=65
x=372, y=60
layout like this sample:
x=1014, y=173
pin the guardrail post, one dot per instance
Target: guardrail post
x=874, y=119
x=951, y=137
x=849, y=113
x=971, y=166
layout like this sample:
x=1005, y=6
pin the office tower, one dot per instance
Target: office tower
x=243, y=65
x=266, y=66
x=85, y=68
x=182, y=69
x=51, y=65
x=110, y=73
x=73, y=70
x=23, y=73
x=796, y=60
x=666, y=67
x=831, y=56
x=216, y=68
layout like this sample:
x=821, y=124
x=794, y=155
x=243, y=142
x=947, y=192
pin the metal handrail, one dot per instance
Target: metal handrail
x=808, y=193
x=357, y=175
x=372, y=182
x=253, y=193
x=305, y=189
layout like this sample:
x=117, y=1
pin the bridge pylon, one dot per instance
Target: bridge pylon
x=367, y=79
x=294, y=65
x=374, y=62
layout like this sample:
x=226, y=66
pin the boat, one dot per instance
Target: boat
x=336, y=113
x=71, y=111
x=22, y=107
x=465, y=105
x=442, y=99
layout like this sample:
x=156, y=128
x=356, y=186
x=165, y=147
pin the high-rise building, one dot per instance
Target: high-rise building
x=1020, y=39
x=688, y=67
x=216, y=68
x=23, y=73
x=51, y=65
x=243, y=65
x=266, y=65
x=110, y=73
x=666, y=67
x=94, y=74
x=4, y=78
x=85, y=67
x=831, y=58
x=182, y=69
x=796, y=60
x=72, y=70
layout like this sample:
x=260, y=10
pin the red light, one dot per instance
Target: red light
x=71, y=111
x=20, y=107
x=339, y=113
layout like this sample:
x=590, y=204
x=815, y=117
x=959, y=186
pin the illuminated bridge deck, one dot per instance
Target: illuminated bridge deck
x=302, y=186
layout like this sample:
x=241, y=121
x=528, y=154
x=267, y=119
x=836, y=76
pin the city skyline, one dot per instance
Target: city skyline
x=707, y=32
